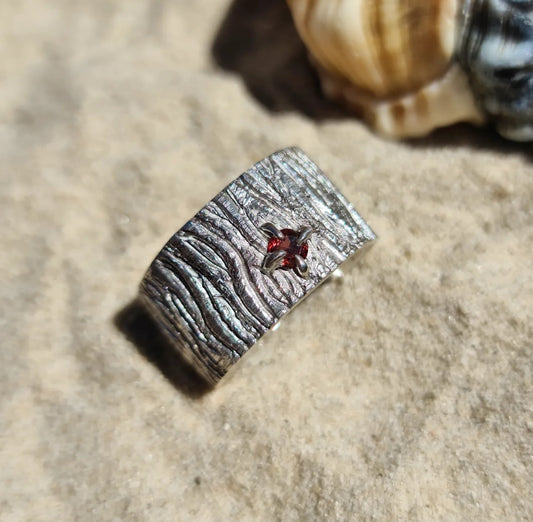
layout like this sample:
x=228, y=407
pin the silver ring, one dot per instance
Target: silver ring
x=248, y=257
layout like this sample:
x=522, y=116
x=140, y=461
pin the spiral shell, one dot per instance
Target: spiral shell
x=495, y=48
x=409, y=66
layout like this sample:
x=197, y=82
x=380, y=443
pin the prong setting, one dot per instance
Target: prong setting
x=302, y=268
x=304, y=234
x=273, y=261
x=287, y=249
x=271, y=230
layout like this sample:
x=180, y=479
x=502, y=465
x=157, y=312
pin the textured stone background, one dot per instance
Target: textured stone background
x=403, y=394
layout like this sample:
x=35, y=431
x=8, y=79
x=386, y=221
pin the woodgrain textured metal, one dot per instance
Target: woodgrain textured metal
x=206, y=287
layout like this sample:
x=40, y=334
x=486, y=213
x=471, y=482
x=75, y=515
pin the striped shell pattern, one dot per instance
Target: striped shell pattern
x=410, y=66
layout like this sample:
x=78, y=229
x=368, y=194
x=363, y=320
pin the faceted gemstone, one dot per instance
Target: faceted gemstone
x=290, y=246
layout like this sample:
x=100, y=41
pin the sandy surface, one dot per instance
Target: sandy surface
x=404, y=393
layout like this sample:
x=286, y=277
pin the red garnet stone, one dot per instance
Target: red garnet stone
x=289, y=245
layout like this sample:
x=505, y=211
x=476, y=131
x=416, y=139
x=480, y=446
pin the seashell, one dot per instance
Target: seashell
x=410, y=66
x=495, y=48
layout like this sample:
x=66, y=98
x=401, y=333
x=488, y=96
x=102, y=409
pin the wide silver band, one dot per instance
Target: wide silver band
x=210, y=288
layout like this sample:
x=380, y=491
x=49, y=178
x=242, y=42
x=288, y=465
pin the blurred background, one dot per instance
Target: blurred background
x=403, y=393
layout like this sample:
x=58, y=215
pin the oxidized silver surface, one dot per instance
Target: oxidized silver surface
x=208, y=289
